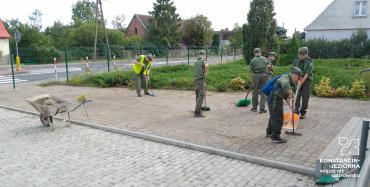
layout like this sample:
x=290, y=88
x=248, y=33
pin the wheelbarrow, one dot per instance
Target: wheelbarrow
x=49, y=106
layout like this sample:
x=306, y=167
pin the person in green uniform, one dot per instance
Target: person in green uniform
x=200, y=73
x=270, y=65
x=305, y=63
x=141, y=70
x=283, y=91
x=258, y=69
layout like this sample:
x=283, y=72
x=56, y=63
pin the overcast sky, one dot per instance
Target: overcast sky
x=294, y=14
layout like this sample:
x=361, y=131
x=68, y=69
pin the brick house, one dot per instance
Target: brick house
x=138, y=25
x=4, y=43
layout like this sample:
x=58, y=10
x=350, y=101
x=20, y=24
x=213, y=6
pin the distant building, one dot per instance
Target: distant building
x=340, y=20
x=138, y=25
x=4, y=43
x=225, y=37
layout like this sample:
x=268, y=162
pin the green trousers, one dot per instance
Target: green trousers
x=304, y=96
x=276, y=120
x=140, y=82
x=199, y=95
x=258, y=80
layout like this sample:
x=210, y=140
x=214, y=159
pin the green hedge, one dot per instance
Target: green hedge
x=342, y=72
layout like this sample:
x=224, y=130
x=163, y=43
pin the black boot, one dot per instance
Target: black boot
x=198, y=114
x=277, y=139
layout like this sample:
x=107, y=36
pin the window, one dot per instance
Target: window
x=360, y=8
x=135, y=31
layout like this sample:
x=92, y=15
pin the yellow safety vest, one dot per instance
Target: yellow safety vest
x=138, y=68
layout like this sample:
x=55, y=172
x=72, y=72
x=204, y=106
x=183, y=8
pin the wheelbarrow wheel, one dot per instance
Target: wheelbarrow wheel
x=46, y=120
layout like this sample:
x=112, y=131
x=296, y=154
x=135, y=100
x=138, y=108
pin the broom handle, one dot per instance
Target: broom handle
x=205, y=94
x=293, y=103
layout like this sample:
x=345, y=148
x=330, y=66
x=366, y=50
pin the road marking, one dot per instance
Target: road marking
x=50, y=71
x=9, y=80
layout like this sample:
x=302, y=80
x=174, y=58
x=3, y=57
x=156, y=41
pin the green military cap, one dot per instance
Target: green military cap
x=272, y=54
x=303, y=50
x=149, y=57
x=296, y=70
x=257, y=50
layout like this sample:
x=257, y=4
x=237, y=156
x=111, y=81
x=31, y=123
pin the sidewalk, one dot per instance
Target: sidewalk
x=225, y=127
x=32, y=155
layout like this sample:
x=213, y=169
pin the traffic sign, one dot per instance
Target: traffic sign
x=17, y=36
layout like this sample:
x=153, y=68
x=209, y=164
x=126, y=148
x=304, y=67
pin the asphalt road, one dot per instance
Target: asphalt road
x=47, y=72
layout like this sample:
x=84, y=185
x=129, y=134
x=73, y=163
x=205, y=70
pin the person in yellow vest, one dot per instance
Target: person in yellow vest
x=141, y=70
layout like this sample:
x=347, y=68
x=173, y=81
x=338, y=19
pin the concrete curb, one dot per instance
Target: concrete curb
x=187, y=145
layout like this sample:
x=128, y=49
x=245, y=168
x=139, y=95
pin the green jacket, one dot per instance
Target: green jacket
x=199, y=69
x=270, y=71
x=258, y=64
x=283, y=85
x=306, y=67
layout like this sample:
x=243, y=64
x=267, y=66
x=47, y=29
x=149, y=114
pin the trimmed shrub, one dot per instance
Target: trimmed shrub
x=343, y=91
x=358, y=89
x=323, y=89
x=237, y=84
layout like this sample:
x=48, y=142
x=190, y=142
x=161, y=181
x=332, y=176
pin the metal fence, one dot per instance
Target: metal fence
x=78, y=61
x=119, y=53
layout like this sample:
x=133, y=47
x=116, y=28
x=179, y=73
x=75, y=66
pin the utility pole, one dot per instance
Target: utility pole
x=96, y=28
x=98, y=3
x=105, y=29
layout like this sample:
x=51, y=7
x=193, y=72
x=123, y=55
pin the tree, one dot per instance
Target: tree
x=165, y=25
x=197, y=31
x=87, y=39
x=281, y=32
x=118, y=22
x=272, y=38
x=258, y=31
x=36, y=19
x=216, y=40
x=358, y=43
x=83, y=12
x=236, y=38
x=59, y=32
x=293, y=48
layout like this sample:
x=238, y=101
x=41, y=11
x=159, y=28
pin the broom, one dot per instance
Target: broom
x=205, y=108
x=244, y=102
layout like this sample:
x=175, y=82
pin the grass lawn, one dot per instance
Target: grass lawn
x=342, y=72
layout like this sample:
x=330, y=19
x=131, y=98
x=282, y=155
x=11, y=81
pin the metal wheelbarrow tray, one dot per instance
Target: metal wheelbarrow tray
x=55, y=106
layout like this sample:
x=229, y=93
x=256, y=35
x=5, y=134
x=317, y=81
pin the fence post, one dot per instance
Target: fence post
x=188, y=55
x=234, y=54
x=66, y=62
x=206, y=53
x=222, y=51
x=108, y=57
x=140, y=50
x=363, y=141
x=167, y=55
x=12, y=66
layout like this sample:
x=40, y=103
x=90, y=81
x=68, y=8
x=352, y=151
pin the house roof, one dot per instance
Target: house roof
x=339, y=15
x=3, y=31
x=225, y=34
x=144, y=20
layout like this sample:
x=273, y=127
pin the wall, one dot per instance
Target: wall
x=4, y=48
x=136, y=24
x=332, y=34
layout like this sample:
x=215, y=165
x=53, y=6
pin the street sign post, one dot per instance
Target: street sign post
x=17, y=37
